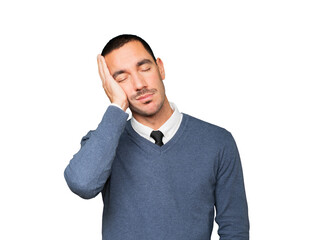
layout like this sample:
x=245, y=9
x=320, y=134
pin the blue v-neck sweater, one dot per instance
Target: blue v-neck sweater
x=162, y=193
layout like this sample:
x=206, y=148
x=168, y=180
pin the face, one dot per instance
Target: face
x=139, y=76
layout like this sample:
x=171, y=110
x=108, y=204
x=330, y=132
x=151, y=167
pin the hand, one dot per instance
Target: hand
x=113, y=90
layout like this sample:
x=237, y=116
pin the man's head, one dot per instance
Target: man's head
x=132, y=64
x=120, y=40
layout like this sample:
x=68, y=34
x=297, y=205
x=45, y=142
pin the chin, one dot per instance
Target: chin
x=146, y=109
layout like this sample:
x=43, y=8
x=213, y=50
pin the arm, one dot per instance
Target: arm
x=90, y=167
x=230, y=197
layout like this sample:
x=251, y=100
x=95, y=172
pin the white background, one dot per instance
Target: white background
x=260, y=69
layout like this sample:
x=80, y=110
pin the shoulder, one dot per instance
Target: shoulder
x=205, y=130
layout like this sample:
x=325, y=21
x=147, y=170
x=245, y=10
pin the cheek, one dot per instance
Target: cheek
x=127, y=89
x=155, y=79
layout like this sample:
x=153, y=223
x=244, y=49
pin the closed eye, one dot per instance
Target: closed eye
x=121, y=78
x=146, y=69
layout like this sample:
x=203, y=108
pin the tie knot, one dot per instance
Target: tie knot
x=157, y=136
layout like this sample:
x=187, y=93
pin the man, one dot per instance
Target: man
x=162, y=172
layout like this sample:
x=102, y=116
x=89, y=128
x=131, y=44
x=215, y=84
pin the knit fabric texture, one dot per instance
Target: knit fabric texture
x=162, y=193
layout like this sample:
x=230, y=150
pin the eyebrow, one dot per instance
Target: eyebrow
x=118, y=73
x=142, y=62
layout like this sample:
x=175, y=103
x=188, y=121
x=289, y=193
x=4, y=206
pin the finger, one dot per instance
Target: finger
x=107, y=78
x=101, y=74
x=105, y=68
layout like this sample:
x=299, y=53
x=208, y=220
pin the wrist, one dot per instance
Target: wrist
x=122, y=106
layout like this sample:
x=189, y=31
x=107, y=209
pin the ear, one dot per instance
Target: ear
x=161, y=68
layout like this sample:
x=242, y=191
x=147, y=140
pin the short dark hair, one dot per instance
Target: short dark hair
x=120, y=40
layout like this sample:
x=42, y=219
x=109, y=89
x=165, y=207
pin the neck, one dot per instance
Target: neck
x=158, y=119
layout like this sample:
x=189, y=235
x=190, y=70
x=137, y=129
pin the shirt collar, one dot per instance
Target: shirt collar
x=168, y=129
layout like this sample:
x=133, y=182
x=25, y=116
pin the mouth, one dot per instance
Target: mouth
x=145, y=97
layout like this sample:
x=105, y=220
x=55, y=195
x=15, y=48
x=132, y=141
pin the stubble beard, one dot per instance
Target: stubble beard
x=154, y=91
x=143, y=113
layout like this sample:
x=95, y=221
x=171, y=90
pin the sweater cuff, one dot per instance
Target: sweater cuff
x=113, y=122
x=114, y=104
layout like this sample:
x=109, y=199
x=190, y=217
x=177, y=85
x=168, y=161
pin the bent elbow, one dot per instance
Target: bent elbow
x=83, y=189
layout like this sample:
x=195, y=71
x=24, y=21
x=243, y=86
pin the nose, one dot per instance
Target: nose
x=138, y=82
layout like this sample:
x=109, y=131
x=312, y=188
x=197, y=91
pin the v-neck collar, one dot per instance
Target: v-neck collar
x=145, y=144
x=169, y=128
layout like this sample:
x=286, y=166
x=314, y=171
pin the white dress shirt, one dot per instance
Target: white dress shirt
x=169, y=128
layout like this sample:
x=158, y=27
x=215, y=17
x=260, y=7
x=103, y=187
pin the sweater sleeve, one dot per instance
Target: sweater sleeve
x=90, y=167
x=230, y=197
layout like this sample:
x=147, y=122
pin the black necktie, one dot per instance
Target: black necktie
x=157, y=136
